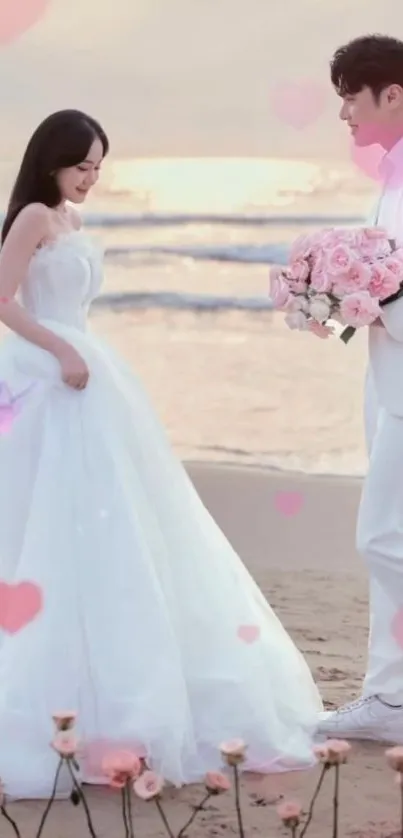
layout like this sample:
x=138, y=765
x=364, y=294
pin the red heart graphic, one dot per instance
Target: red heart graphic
x=248, y=633
x=288, y=503
x=298, y=103
x=19, y=605
x=18, y=16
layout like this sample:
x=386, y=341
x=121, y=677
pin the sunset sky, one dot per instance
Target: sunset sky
x=182, y=77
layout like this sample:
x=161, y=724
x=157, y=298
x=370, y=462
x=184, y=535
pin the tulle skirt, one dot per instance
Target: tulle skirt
x=149, y=625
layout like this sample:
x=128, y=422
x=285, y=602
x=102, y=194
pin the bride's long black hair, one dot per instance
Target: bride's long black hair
x=63, y=139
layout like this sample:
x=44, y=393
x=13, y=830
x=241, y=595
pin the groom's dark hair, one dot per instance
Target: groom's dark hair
x=373, y=61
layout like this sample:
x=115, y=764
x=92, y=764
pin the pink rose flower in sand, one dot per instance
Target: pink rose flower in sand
x=357, y=278
x=339, y=260
x=383, y=282
x=216, y=782
x=297, y=320
x=233, y=751
x=359, y=309
x=279, y=290
x=65, y=743
x=120, y=767
x=333, y=752
x=64, y=719
x=149, y=785
x=290, y=813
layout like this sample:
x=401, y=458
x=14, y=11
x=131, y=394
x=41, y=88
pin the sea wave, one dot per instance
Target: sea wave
x=234, y=219
x=181, y=301
x=249, y=253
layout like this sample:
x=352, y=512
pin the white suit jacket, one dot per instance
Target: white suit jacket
x=385, y=345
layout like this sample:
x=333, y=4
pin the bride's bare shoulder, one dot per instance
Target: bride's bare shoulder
x=32, y=222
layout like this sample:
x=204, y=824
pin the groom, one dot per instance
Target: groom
x=367, y=74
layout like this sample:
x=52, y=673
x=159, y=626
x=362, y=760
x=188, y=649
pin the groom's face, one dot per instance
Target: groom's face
x=372, y=120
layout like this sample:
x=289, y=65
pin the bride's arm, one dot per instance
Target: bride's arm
x=26, y=234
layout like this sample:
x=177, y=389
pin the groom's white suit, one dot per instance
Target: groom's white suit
x=380, y=519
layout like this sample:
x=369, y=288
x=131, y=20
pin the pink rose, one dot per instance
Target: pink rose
x=333, y=752
x=329, y=239
x=383, y=282
x=216, y=782
x=233, y=751
x=394, y=265
x=299, y=270
x=357, y=278
x=339, y=260
x=359, y=309
x=279, y=290
x=149, y=785
x=373, y=246
x=65, y=743
x=300, y=249
x=297, y=320
x=290, y=813
x=64, y=719
x=374, y=233
x=321, y=281
x=297, y=286
x=320, y=329
x=120, y=767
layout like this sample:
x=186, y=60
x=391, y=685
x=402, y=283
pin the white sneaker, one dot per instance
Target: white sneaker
x=366, y=718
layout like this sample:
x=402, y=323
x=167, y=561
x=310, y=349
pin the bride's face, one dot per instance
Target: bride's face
x=76, y=181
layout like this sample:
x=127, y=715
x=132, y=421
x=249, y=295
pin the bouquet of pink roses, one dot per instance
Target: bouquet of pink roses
x=338, y=274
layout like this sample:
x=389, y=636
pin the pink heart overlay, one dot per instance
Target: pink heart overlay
x=10, y=405
x=18, y=16
x=368, y=154
x=249, y=634
x=19, y=605
x=397, y=627
x=288, y=503
x=298, y=103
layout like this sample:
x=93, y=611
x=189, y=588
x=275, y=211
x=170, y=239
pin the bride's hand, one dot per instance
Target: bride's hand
x=75, y=372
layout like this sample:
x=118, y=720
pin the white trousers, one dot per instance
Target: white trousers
x=380, y=543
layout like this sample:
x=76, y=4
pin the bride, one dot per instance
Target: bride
x=143, y=598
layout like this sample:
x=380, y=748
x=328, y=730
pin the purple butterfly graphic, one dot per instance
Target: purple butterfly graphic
x=10, y=405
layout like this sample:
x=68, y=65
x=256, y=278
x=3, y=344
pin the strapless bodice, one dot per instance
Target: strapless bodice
x=63, y=278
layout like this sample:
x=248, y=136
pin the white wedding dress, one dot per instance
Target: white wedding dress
x=143, y=596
